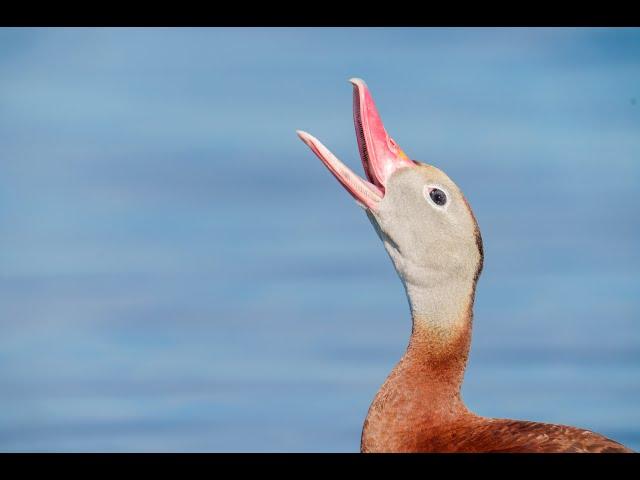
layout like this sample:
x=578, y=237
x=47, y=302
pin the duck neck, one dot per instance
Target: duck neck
x=434, y=364
x=436, y=356
x=424, y=387
x=442, y=314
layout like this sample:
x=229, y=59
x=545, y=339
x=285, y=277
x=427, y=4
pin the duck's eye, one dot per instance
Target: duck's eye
x=438, y=196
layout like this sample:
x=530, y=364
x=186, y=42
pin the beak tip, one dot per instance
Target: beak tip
x=302, y=134
x=357, y=82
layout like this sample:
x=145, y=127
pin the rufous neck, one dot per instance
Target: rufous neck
x=424, y=387
x=442, y=316
x=437, y=356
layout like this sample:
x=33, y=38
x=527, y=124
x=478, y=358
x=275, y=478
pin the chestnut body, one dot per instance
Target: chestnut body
x=419, y=409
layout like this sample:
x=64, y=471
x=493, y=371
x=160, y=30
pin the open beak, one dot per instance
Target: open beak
x=380, y=154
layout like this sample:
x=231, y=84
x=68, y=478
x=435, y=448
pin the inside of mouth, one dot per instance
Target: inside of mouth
x=362, y=143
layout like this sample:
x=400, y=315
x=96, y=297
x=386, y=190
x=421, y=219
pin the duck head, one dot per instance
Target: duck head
x=419, y=213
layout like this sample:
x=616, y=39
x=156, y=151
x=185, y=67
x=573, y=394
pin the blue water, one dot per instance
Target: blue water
x=178, y=272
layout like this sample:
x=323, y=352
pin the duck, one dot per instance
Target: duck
x=433, y=240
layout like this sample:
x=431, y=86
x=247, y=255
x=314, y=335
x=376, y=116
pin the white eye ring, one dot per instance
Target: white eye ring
x=426, y=193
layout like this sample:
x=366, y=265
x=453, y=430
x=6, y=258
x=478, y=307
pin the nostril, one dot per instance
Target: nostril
x=393, y=146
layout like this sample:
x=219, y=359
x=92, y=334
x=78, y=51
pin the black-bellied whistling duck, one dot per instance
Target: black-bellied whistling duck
x=433, y=239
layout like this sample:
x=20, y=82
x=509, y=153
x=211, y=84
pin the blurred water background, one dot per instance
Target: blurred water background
x=178, y=272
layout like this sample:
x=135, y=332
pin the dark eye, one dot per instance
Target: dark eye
x=438, y=196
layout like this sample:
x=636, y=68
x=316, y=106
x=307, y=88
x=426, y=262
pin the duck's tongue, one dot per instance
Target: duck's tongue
x=380, y=155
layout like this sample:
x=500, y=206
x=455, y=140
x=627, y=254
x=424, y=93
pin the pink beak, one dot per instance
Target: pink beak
x=380, y=154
